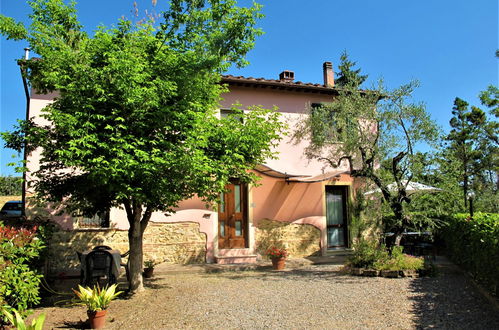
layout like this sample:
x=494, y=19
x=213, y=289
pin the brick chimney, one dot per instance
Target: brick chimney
x=328, y=74
x=287, y=76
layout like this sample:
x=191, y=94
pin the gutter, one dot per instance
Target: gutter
x=25, y=154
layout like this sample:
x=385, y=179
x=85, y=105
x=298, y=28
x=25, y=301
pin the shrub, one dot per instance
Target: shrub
x=399, y=261
x=19, y=282
x=371, y=255
x=10, y=186
x=366, y=254
x=473, y=243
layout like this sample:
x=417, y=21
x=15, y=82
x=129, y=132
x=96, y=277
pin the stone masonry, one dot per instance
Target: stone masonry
x=180, y=243
x=300, y=240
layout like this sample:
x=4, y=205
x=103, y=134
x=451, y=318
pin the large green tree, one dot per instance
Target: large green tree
x=375, y=133
x=134, y=124
x=472, y=143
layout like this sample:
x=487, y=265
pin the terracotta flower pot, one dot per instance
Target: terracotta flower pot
x=148, y=272
x=97, y=319
x=278, y=263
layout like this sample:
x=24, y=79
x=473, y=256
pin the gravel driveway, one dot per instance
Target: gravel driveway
x=316, y=297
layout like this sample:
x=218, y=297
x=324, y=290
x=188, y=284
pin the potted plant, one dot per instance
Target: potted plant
x=278, y=257
x=97, y=301
x=148, y=268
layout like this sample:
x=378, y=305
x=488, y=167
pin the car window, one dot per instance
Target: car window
x=12, y=207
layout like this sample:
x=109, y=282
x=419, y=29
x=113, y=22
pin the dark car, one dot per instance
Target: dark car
x=11, y=210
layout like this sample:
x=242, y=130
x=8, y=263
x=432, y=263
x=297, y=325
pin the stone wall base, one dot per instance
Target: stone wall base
x=175, y=243
x=301, y=240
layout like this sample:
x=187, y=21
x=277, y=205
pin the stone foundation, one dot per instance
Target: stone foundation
x=175, y=243
x=300, y=240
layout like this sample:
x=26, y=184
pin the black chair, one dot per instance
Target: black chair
x=99, y=268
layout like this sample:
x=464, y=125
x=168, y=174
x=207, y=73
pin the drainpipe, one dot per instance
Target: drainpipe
x=23, y=69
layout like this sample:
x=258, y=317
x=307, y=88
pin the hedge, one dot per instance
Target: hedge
x=473, y=243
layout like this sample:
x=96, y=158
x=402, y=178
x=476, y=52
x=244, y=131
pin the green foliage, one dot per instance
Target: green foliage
x=347, y=76
x=10, y=186
x=360, y=128
x=136, y=110
x=17, y=320
x=96, y=299
x=19, y=282
x=367, y=253
x=370, y=255
x=149, y=264
x=399, y=261
x=474, y=244
x=473, y=151
x=136, y=107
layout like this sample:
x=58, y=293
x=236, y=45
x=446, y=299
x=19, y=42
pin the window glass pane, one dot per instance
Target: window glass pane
x=222, y=229
x=239, y=228
x=222, y=202
x=334, y=209
x=237, y=197
x=336, y=237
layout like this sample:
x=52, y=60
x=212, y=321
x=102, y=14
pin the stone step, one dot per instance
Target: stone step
x=339, y=252
x=243, y=259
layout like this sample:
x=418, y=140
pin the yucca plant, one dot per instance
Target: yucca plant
x=96, y=298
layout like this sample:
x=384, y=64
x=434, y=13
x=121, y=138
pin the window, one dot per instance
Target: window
x=97, y=220
x=326, y=126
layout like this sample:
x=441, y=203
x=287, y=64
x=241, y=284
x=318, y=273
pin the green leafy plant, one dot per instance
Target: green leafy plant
x=366, y=254
x=399, y=261
x=19, y=281
x=17, y=320
x=369, y=254
x=96, y=298
x=149, y=264
x=275, y=252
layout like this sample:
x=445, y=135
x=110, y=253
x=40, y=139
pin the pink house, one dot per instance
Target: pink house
x=300, y=203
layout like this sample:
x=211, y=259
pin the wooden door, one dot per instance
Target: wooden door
x=336, y=217
x=232, y=217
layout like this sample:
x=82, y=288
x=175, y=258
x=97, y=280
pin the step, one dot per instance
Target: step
x=339, y=252
x=243, y=259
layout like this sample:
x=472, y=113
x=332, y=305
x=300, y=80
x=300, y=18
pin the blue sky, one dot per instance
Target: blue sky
x=448, y=45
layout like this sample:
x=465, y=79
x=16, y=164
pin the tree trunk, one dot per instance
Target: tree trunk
x=135, y=259
x=138, y=224
x=398, y=212
x=398, y=238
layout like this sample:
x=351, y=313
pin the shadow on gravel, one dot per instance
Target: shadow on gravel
x=298, y=274
x=156, y=283
x=449, y=301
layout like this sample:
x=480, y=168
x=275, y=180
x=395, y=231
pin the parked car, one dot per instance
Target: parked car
x=11, y=210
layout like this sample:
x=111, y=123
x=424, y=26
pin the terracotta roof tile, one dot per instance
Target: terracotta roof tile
x=284, y=84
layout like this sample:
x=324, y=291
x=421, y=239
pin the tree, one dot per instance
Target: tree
x=473, y=144
x=346, y=75
x=135, y=124
x=462, y=136
x=375, y=133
